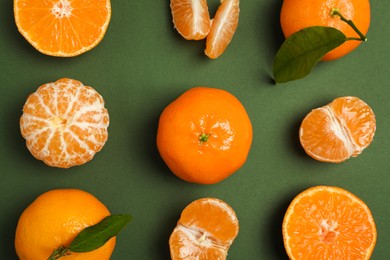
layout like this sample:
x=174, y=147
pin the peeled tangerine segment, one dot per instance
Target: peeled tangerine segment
x=205, y=230
x=339, y=130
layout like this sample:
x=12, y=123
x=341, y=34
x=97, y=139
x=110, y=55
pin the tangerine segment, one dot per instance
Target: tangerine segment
x=54, y=219
x=326, y=222
x=64, y=123
x=223, y=27
x=204, y=135
x=206, y=229
x=191, y=18
x=298, y=14
x=339, y=130
x=62, y=27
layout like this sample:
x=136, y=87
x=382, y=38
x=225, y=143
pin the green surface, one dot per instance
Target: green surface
x=141, y=65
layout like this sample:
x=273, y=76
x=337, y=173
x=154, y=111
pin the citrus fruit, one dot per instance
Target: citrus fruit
x=54, y=219
x=223, y=27
x=298, y=14
x=339, y=130
x=204, y=135
x=326, y=222
x=191, y=18
x=64, y=123
x=62, y=27
x=206, y=229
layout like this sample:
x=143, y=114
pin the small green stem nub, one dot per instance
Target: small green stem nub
x=59, y=252
x=203, y=137
x=335, y=11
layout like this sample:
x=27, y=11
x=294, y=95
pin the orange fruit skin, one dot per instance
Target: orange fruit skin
x=339, y=130
x=64, y=123
x=210, y=111
x=325, y=222
x=206, y=229
x=298, y=14
x=191, y=18
x=63, y=28
x=223, y=28
x=54, y=219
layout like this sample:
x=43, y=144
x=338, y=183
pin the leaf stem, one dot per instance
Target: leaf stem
x=59, y=252
x=335, y=11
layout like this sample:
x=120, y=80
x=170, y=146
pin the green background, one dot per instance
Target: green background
x=141, y=65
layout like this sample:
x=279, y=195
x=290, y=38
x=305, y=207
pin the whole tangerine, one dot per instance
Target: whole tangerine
x=64, y=123
x=299, y=14
x=205, y=135
x=54, y=219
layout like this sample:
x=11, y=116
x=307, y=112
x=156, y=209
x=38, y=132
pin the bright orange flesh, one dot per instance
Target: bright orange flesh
x=206, y=229
x=298, y=14
x=191, y=18
x=328, y=223
x=223, y=27
x=212, y=114
x=54, y=219
x=64, y=123
x=62, y=27
x=339, y=130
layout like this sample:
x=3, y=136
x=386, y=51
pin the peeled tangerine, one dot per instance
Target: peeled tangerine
x=205, y=231
x=339, y=130
x=64, y=123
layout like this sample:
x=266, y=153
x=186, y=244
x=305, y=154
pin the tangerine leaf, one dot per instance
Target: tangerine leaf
x=97, y=235
x=300, y=52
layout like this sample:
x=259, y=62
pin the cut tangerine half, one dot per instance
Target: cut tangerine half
x=64, y=123
x=191, y=18
x=62, y=27
x=339, y=130
x=326, y=222
x=206, y=229
x=223, y=27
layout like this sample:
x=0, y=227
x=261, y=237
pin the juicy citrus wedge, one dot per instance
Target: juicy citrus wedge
x=326, y=222
x=206, y=229
x=339, y=130
x=223, y=27
x=191, y=18
x=64, y=123
x=62, y=27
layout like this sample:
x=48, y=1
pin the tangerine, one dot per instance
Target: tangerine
x=299, y=14
x=339, y=130
x=326, y=222
x=54, y=219
x=64, y=123
x=62, y=27
x=204, y=135
x=206, y=229
x=191, y=18
x=223, y=28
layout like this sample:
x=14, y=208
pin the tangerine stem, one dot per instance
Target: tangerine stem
x=335, y=11
x=203, y=137
x=59, y=252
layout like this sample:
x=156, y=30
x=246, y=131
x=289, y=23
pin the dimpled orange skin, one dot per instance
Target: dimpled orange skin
x=204, y=111
x=298, y=14
x=55, y=218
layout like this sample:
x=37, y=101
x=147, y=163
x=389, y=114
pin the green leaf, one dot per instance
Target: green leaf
x=300, y=52
x=96, y=236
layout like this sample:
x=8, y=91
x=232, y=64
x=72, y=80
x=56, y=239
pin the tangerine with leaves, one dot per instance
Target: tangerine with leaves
x=206, y=229
x=54, y=219
x=325, y=222
x=64, y=123
x=62, y=28
x=205, y=135
x=299, y=14
x=339, y=130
